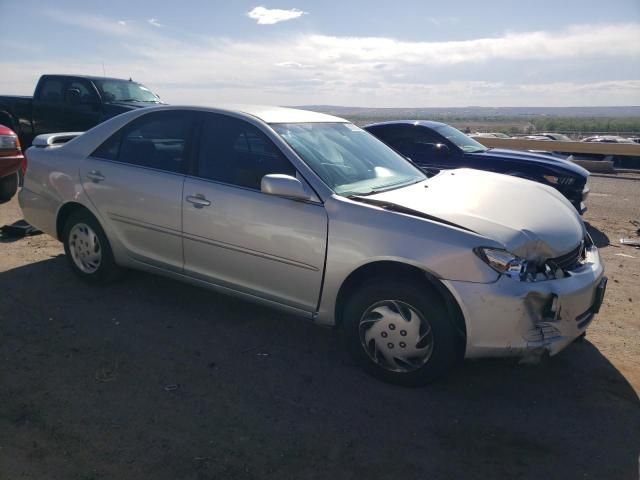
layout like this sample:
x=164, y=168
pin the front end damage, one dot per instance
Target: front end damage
x=533, y=313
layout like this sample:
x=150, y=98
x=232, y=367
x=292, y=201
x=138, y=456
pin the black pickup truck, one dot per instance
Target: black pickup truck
x=71, y=103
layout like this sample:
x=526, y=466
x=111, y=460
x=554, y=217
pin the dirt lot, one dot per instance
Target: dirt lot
x=150, y=378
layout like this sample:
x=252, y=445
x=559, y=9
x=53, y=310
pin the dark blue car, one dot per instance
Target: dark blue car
x=436, y=146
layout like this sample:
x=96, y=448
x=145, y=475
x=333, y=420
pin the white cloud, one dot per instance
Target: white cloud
x=531, y=67
x=270, y=16
x=155, y=22
x=122, y=22
x=290, y=64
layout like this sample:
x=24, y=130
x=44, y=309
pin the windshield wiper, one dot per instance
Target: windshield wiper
x=386, y=188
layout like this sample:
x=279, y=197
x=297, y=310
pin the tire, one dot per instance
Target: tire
x=8, y=187
x=382, y=315
x=88, y=250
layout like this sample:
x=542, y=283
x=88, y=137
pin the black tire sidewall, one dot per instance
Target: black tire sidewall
x=428, y=304
x=108, y=270
x=8, y=187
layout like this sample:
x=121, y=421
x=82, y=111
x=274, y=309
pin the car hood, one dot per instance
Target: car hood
x=531, y=220
x=516, y=155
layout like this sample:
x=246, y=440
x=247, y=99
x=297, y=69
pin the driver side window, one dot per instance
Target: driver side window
x=235, y=152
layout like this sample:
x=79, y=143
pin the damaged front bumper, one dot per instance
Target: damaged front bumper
x=513, y=317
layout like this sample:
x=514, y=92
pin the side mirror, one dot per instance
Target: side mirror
x=283, y=186
x=439, y=150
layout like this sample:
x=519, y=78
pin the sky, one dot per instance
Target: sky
x=366, y=53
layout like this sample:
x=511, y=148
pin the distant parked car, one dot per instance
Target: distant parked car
x=71, y=103
x=12, y=163
x=607, y=139
x=490, y=135
x=559, y=137
x=536, y=137
x=309, y=213
x=436, y=146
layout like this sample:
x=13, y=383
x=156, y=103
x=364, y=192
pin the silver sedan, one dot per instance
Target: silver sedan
x=310, y=214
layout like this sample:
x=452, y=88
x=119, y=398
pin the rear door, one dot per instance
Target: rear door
x=135, y=180
x=238, y=237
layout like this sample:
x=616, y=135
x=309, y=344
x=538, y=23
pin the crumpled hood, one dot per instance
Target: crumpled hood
x=531, y=220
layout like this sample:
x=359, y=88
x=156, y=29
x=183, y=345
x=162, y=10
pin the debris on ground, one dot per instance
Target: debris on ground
x=18, y=229
x=632, y=242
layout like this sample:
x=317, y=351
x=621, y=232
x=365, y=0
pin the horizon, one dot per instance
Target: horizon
x=573, y=55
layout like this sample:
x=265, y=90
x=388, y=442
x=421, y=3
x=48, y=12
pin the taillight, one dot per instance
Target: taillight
x=9, y=145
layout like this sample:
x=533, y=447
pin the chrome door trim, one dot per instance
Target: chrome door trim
x=149, y=226
x=255, y=253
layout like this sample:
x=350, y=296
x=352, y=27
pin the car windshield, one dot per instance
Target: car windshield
x=348, y=159
x=461, y=140
x=125, y=91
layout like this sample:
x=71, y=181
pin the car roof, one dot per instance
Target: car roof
x=266, y=113
x=90, y=77
x=418, y=123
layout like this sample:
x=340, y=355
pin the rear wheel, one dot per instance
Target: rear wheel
x=8, y=187
x=88, y=250
x=399, y=332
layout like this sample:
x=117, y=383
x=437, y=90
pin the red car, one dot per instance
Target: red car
x=12, y=163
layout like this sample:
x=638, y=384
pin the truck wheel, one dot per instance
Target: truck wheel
x=88, y=250
x=399, y=332
x=8, y=187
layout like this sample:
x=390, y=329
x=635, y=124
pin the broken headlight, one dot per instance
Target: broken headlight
x=518, y=268
x=502, y=261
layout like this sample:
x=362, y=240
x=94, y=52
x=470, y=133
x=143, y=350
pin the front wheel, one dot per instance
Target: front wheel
x=399, y=332
x=8, y=187
x=88, y=250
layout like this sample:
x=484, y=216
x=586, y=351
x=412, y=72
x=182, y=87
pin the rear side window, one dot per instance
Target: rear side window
x=157, y=140
x=52, y=90
x=235, y=152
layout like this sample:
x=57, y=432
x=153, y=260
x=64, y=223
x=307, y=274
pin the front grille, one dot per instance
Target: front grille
x=569, y=261
x=565, y=180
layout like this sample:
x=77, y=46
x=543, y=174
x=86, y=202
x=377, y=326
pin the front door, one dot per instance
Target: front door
x=238, y=237
x=82, y=109
x=135, y=180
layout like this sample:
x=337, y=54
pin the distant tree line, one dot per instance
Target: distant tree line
x=593, y=124
x=513, y=125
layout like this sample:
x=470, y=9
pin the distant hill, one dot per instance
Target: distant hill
x=477, y=112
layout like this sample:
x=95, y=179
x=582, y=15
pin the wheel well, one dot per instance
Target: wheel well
x=64, y=213
x=408, y=273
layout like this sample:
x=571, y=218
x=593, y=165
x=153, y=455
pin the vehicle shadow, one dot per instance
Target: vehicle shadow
x=154, y=378
x=599, y=237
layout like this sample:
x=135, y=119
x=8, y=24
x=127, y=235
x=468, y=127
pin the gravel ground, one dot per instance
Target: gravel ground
x=151, y=378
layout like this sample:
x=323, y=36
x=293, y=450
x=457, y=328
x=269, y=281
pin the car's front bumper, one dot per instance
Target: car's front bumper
x=512, y=317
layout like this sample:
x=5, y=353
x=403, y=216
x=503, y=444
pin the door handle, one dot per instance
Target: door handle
x=198, y=200
x=95, y=176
